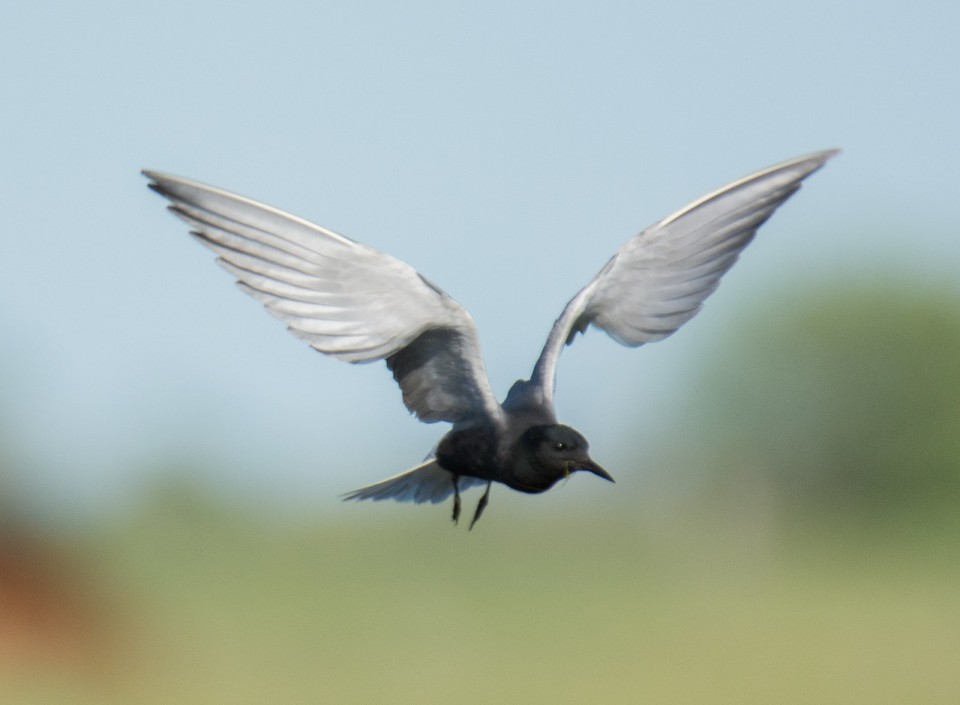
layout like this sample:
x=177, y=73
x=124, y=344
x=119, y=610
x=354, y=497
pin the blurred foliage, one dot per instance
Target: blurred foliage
x=847, y=401
x=217, y=605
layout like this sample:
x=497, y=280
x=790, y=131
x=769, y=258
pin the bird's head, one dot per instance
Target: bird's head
x=555, y=451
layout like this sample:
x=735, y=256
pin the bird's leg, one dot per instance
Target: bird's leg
x=481, y=505
x=456, y=499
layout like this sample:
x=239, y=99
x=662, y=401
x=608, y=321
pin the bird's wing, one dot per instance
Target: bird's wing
x=425, y=483
x=660, y=278
x=343, y=298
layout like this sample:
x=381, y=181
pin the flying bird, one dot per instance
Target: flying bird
x=357, y=304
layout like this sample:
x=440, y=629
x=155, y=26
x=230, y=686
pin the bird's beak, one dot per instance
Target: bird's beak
x=591, y=466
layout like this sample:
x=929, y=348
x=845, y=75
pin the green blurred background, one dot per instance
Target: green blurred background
x=798, y=543
x=784, y=524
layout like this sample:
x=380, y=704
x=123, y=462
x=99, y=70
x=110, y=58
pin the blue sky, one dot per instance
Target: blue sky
x=505, y=149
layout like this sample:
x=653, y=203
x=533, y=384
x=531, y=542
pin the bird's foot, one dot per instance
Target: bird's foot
x=456, y=500
x=481, y=505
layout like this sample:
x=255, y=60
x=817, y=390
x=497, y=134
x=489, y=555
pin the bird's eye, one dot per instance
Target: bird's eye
x=561, y=447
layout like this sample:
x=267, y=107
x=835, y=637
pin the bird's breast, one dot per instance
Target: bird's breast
x=527, y=484
x=472, y=452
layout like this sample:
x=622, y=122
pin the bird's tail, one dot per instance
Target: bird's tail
x=427, y=482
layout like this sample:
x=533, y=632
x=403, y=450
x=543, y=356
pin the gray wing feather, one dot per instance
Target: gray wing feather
x=343, y=298
x=425, y=483
x=660, y=278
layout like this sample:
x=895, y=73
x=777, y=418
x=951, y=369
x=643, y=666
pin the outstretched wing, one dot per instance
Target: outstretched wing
x=660, y=278
x=344, y=299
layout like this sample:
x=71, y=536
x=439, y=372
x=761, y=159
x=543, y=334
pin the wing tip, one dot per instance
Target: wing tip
x=155, y=177
x=821, y=157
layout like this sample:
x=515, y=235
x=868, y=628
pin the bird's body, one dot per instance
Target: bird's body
x=360, y=305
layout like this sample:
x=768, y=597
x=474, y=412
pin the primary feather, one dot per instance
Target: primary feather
x=660, y=278
x=343, y=298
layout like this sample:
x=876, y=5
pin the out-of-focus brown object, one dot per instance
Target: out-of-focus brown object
x=48, y=614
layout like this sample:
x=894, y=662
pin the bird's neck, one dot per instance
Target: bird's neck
x=526, y=474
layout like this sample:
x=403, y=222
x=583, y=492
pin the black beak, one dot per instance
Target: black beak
x=591, y=466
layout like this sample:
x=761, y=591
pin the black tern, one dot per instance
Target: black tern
x=357, y=304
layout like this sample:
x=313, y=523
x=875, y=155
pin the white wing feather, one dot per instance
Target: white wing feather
x=344, y=299
x=660, y=278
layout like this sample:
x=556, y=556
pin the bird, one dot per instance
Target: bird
x=357, y=304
